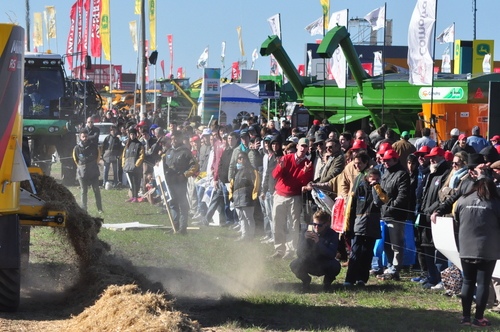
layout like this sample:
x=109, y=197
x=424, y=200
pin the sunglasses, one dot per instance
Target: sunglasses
x=455, y=163
x=329, y=147
x=318, y=225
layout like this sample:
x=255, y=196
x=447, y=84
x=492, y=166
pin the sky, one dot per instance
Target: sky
x=196, y=24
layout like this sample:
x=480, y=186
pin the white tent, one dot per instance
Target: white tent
x=239, y=100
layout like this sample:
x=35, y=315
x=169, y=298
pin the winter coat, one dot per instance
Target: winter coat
x=447, y=206
x=291, y=177
x=86, y=157
x=333, y=167
x=244, y=188
x=179, y=161
x=133, y=156
x=478, y=227
x=268, y=181
x=225, y=159
x=112, y=148
x=323, y=251
x=365, y=210
x=396, y=183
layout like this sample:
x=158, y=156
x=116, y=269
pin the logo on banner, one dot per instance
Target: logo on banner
x=483, y=49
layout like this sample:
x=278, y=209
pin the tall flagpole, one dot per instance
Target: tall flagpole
x=431, y=120
x=142, y=54
x=383, y=62
x=346, y=77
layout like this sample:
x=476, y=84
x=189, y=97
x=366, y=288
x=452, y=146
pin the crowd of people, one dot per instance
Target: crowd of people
x=254, y=175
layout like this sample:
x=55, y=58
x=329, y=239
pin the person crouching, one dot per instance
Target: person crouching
x=316, y=252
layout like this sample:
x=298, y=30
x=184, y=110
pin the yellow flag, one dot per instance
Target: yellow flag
x=240, y=39
x=326, y=11
x=137, y=8
x=152, y=25
x=38, y=30
x=105, y=30
x=51, y=21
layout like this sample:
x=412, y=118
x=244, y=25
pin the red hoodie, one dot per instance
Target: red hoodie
x=291, y=177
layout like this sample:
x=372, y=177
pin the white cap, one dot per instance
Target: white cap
x=206, y=131
x=455, y=132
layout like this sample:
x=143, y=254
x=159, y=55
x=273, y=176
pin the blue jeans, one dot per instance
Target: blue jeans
x=268, y=208
x=202, y=207
x=114, y=165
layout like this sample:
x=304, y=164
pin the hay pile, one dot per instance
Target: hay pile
x=121, y=307
x=124, y=308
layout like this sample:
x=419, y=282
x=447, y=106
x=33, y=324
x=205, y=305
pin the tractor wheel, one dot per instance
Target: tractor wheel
x=10, y=289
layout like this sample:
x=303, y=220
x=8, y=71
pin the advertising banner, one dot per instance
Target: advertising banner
x=209, y=104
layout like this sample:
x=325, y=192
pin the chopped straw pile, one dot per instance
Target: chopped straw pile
x=122, y=306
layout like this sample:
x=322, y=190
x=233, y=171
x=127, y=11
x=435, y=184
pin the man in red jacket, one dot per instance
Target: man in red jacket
x=292, y=172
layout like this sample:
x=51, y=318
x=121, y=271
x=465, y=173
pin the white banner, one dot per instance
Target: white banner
x=446, y=63
x=448, y=35
x=377, y=63
x=487, y=64
x=419, y=42
x=275, y=24
x=203, y=60
x=376, y=18
x=316, y=27
x=338, y=61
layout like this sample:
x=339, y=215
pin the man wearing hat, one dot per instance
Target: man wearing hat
x=404, y=148
x=477, y=141
x=396, y=183
x=317, y=156
x=244, y=146
x=435, y=261
x=285, y=130
x=462, y=145
x=495, y=141
x=449, y=144
x=292, y=172
x=350, y=172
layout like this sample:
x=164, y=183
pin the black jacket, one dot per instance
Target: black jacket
x=396, y=183
x=133, y=156
x=179, y=161
x=86, y=157
x=244, y=188
x=224, y=162
x=323, y=251
x=112, y=148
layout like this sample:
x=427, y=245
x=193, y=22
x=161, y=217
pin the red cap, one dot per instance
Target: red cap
x=316, y=122
x=359, y=144
x=384, y=147
x=142, y=123
x=389, y=154
x=448, y=156
x=437, y=151
x=195, y=138
x=462, y=136
x=495, y=138
x=424, y=150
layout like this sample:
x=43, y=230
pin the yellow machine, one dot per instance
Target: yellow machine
x=17, y=206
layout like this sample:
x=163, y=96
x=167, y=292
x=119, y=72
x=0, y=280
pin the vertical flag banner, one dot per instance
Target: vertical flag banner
x=446, y=61
x=133, y=34
x=255, y=56
x=275, y=24
x=95, y=31
x=301, y=70
x=447, y=36
x=338, y=61
x=70, y=47
x=240, y=41
x=316, y=27
x=274, y=66
x=326, y=10
x=209, y=100
x=487, y=64
x=377, y=63
x=235, y=70
x=106, y=30
x=419, y=42
x=309, y=62
x=170, y=39
x=51, y=21
x=376, y=18
x=223, y=53
x=137, y=7
x=162, y=65
x=152, y=25
x=37, y=30
x=180, y=73
x=203, y=60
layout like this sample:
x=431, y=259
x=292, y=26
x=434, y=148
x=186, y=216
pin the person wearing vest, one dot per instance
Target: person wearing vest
x=86, y=157
x=132, y=158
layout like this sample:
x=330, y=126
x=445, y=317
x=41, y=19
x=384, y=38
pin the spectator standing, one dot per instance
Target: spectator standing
x=132, y=158
x=92, y=131
x=425, y=139
x=462, y=145
x=112, y=150
x=292, y=173
x=86, y=157
x=477, y=141
x=495, y=141
x=404, y=148
x=449, y=144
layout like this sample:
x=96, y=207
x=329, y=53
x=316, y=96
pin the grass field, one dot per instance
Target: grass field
x=232, y=286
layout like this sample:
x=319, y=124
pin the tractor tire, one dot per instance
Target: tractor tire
x=10, y=289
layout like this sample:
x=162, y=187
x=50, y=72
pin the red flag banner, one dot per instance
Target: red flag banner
x=162, y=64
x=180, y=73
x=302, y=70
x=70, y=47
x=95, y=33
x=235, y=71
x=171, y=47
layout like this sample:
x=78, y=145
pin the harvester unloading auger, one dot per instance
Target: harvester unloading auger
x=17, y=206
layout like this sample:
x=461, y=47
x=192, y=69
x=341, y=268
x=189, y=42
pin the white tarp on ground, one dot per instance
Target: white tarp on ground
x=239, y=99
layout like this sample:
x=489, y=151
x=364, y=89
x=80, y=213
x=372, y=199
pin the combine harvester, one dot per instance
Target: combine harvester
x=17, y=206
x=458, y=100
